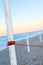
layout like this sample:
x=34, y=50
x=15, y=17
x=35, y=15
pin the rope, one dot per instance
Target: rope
x=40, y=46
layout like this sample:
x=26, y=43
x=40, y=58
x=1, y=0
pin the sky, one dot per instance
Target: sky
x=27, y=16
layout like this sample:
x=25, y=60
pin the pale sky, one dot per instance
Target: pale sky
x=27, y=15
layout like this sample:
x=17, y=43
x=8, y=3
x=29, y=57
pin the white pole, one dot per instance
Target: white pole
x=10, y=33
x=28, y=48
x=40, y=38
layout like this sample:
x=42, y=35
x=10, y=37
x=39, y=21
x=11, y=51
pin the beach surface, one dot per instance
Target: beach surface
x=34, y=57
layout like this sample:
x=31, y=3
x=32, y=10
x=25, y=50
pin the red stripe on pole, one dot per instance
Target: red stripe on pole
x=11, y=43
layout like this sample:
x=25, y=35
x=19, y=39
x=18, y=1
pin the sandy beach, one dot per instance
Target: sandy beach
x=34, y=57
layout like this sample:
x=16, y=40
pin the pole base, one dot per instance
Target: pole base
x=11, y=43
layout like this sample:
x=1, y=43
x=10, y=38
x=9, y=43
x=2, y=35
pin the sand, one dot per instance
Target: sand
x=34, y=57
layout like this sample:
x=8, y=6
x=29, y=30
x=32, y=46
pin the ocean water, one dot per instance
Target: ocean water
x=4, y=39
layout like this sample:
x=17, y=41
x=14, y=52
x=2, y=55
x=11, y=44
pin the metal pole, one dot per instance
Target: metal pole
x=11, y=43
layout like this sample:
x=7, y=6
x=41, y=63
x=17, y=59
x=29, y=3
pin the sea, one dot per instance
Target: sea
x=4, y=39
